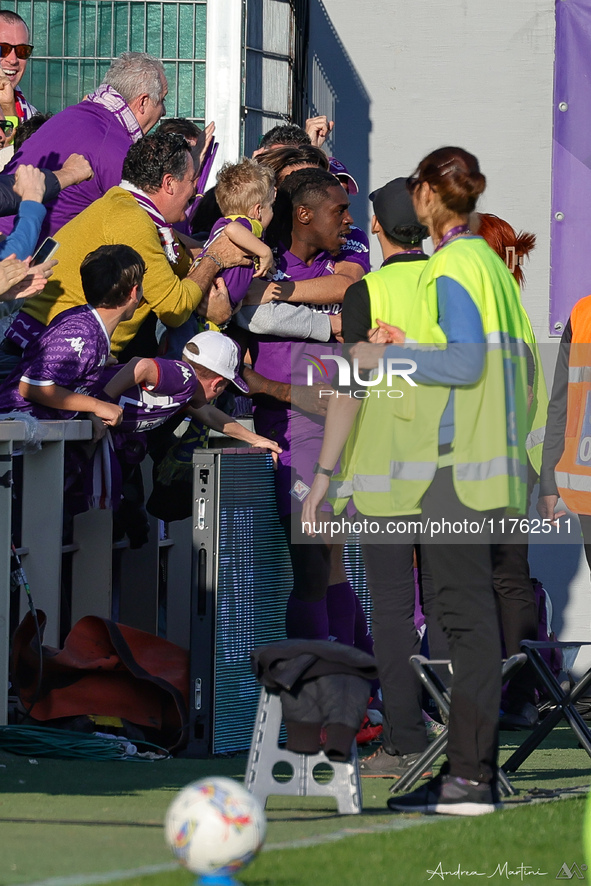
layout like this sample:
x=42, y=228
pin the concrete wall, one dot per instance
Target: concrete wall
x=404, y=78
x=411, y=77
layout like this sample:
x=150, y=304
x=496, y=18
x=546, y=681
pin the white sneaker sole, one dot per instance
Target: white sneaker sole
x=448, y=809
x=464, y=808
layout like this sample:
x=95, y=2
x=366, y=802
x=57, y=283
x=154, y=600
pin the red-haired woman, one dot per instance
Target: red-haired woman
x=518, y=608
x=509, y=245
x=452, y=449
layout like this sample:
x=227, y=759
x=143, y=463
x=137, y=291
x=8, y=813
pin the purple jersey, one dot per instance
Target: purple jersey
x=357, y=249
x=236, y=279
x=71, y=352
x=24, y=329
x=299, y=434
x=290, y=267
x=147, y=408
x=273, y=356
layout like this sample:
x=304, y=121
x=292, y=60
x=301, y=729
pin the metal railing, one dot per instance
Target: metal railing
x=90, y=566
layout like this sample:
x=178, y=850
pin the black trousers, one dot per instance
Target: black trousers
x=463, y=603
x=465, y=608
x=390, y=578
x=516, y=606
x=518, y=615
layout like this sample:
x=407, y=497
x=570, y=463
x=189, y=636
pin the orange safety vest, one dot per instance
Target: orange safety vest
x=573, y=471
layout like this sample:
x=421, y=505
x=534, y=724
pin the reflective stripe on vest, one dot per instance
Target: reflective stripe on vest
x=496, y=467
x=468, y=471
x=401, y=470
x=534, y=438
x=509, y=342
x=576, y=482
x=579, y=375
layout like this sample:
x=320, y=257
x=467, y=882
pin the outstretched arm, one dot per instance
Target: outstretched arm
x=318, y=291
x=302, y=397
x=219, y=421
x=224, y=255
x=76, y=169
x=286, y=320
x=340, y=417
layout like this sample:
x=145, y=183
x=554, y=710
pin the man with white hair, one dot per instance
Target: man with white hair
x=127, y=104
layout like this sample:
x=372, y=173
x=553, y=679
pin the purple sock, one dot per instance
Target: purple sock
x=306, y=620
x=340, y=605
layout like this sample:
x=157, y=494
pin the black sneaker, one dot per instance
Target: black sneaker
x=381, y=764
x=448, y=795
x=525, y=718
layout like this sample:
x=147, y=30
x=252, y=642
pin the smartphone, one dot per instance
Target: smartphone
x=45, y=251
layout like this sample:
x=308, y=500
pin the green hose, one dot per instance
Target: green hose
x=34, y=741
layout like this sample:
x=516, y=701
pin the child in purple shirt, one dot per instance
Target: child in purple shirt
x=245, y=193
x=61, y=367
x=150, y=390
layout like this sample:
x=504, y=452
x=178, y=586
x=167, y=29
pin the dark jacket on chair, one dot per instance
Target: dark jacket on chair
x=321, y=684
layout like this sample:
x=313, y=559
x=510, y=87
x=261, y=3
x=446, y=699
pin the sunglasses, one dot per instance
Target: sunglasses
x=22, y=50
x=412, y=183
x=7, y=126
x=180, y=146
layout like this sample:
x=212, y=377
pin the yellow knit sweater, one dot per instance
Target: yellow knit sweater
x=117, y=218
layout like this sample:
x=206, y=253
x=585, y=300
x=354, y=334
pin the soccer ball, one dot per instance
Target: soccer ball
x=214, y=826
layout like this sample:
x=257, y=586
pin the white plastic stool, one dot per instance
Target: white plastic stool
x=345, y=785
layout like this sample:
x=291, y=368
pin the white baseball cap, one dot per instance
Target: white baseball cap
x=218, y=353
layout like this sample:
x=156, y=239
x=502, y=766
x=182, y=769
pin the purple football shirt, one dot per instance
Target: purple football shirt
x=24, y=329
x=71, y=352
x=236, y=279
x=299, y=434
x=143, y=408
x=272, y=355
x=357, y=248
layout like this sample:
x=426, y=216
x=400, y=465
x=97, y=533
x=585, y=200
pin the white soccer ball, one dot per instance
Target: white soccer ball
x=214, y=826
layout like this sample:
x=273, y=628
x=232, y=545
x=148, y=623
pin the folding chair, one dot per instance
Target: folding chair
x=344, y=786
x=564, y=701
x=427, y=673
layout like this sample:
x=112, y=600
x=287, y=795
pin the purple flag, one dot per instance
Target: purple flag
x=570, y=275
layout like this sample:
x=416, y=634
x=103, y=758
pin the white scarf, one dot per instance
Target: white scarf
x=110, y=99
x=165, y=231
x=27, y=109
